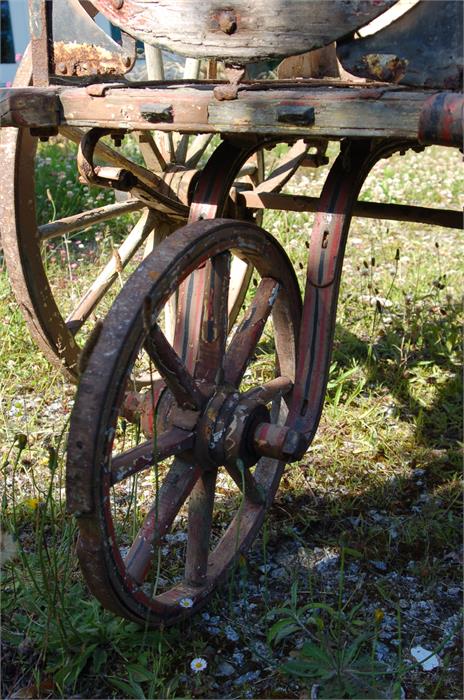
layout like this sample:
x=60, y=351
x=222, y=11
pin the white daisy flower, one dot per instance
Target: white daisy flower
x=186, y=602
x=198, y=664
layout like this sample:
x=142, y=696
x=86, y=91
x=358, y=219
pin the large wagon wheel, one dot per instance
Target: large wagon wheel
x=24, y=239
x=57, y=331
x=206, y=416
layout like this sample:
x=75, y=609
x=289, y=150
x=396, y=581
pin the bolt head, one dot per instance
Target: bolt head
x=227, y=21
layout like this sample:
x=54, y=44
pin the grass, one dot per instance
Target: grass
x=360, y=557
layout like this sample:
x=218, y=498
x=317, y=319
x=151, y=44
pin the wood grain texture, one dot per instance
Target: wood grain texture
x=339, y=112
x=241, y=30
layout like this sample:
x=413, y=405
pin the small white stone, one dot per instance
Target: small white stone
x=427, y=659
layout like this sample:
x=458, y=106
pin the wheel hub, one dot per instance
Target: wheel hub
x=226, y=429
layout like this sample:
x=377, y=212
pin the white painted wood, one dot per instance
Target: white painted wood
x=241, y=30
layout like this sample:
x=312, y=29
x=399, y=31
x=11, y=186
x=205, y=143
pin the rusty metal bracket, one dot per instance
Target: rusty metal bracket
x=117, y=178
x=94, y=53
x=154, y=192
x=234, y=75
x=66, y=42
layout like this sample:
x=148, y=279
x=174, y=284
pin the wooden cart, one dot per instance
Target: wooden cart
x=165, y=374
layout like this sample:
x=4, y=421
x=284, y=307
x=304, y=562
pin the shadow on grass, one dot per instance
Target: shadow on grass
x=390, y=366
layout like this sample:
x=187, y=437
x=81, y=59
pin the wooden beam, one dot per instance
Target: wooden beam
x=368, y=210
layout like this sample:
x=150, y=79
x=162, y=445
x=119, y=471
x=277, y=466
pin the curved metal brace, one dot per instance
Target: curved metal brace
x=209, y=201
x=325, y=261
x=142, y=183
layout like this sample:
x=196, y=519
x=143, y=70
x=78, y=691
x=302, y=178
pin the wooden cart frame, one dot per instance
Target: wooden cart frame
x=194, y=410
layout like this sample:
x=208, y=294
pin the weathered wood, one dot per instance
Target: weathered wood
x=369, y=210
x=109, y=274
x=173, y=370
x=305, y=109
x=78, y=222
x=31, y=107
x=337, y=112
x=142, y=457
x=320, y=63
x=241, y=31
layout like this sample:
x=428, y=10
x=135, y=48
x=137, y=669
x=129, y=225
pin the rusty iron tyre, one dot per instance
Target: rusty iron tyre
x=20, y=240
x=205, y=418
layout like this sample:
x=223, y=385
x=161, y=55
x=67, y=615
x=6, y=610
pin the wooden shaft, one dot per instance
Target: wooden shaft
x=369, y=210
x=77, y=222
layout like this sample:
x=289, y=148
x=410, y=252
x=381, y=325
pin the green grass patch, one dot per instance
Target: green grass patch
x=360, y=558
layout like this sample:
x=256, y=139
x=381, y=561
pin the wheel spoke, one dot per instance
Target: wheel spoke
x=109, y=274
x=247, y=335
x=215, y=320
x=181, y=150
x=240, y=277
x=248, y=170
x=198, y=146
x=285, y=170
x=245, y=481
x=280, y=386
x=173, y=370
x=145, y=455
x=77, y=222
x=176, y=486
x=200, y=515
x=151, y=153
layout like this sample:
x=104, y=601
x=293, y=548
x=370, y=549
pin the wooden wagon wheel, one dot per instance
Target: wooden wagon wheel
x=204, y=416
x=23, y=237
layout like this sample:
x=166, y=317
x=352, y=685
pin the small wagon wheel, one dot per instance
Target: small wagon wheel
x=206, y=418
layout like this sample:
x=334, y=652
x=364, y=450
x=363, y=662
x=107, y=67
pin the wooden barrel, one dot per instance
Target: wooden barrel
x=240, y=31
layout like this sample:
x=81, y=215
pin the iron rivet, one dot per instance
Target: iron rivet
x=227, y=21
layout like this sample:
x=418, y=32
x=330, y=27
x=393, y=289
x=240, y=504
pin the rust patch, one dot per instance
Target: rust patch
x=225, y=20
x=386, y=67
x=234, y=75
x=74, y=59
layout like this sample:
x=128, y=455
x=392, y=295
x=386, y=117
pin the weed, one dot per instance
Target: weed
x=337, y=653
